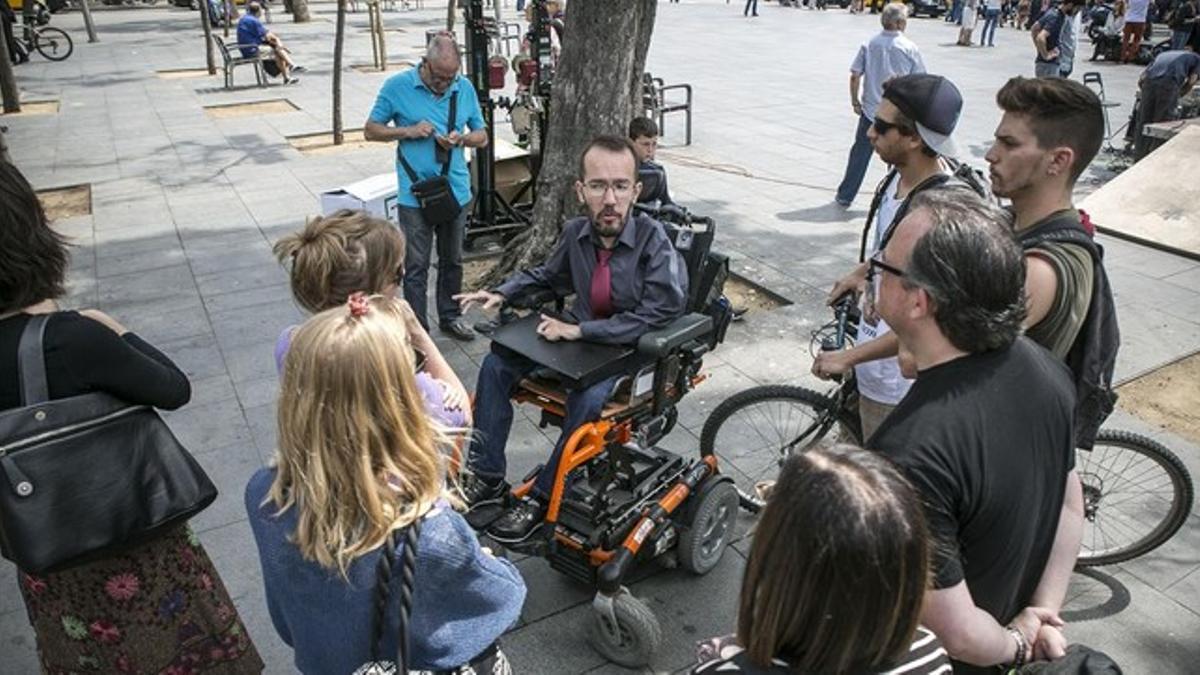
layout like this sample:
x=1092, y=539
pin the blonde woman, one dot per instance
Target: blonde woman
x=358, y=463
x=350, y=251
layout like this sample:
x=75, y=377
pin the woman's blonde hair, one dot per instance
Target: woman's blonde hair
x=339, y=254
x=358, y=455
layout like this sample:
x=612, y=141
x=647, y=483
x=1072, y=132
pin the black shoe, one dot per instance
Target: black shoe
x=457, y=329
x=479, y=491
x=519, y=522
x=299, y=69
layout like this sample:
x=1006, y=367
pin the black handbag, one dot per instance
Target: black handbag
x=85, y=476
x=435, y=196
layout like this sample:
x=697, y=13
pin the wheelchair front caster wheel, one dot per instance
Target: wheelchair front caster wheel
x=629, y=634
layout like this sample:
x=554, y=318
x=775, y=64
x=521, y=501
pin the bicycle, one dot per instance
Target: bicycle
x=1137, y=492
x=52, y=43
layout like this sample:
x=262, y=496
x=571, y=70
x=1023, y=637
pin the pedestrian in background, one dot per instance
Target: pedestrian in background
x=991, y=17
x=889, y=54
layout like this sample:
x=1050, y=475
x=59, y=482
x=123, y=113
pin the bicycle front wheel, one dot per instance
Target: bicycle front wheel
x=1136, y=495
x=53, y=43
x=755, y=430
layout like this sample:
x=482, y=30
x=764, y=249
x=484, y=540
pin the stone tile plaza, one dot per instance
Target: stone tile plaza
x=185, y=204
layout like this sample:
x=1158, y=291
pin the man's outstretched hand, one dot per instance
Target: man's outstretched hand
x=487, y=300
x=554, y=330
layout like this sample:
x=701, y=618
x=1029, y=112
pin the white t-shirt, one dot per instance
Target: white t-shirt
x=1138, y=9
x=880, y=380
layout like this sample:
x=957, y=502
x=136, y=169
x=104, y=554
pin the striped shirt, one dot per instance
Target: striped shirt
x=926, y=656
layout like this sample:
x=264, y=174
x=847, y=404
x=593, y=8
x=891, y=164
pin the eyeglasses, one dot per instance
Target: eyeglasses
x=875, y=263
x=882, y=126
x=399, y=279
x=597, y=188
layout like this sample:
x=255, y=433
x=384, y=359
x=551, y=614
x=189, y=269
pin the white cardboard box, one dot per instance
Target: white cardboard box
x=375, y=195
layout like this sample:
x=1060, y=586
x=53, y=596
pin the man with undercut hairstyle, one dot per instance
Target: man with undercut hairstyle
x=1050, y=131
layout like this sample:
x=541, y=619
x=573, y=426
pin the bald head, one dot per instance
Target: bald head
x=442, y=50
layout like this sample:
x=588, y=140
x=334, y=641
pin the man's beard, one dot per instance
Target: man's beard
x=604, y=229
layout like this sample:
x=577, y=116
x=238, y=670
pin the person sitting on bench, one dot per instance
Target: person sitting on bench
x=653, y=176
x=255, y=39
x=627, y=279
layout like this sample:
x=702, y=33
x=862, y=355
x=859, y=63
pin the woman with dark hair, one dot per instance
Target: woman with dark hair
x=836, y=575
x=159, y=606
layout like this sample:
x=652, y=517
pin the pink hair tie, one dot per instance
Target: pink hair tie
x=359, y=304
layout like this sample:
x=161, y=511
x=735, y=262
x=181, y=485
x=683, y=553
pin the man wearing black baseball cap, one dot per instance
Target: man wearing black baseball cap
x=913, y=132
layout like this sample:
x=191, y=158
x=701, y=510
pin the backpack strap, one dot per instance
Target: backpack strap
x=934, y=181
x=876, y=202
x=31, y=361
x=1066, y=228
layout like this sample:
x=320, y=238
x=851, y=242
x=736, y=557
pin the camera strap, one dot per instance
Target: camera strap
x=450, y=126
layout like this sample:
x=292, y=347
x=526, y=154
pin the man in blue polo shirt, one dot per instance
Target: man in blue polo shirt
x=416, y=103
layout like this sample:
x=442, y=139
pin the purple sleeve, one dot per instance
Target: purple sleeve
x=433, y=393
x=281, y=347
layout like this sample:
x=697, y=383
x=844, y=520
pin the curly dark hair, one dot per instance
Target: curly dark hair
x=972, y=267
x=33, y=257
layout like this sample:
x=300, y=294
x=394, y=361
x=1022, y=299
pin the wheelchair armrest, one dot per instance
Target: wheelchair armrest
x=532, y=298
x=659, y=343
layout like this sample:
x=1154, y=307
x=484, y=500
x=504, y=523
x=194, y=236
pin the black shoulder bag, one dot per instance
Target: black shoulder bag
x=85, y=476
x=434, y=195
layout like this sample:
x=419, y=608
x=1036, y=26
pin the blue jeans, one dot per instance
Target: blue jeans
x=856, y=165
x=955, y=15
x=499, y=375
x=991, y=17
x=1179, y=38
x=416, y=263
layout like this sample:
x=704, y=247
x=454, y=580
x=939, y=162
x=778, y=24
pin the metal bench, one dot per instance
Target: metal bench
x=233, y=59
x=657, y=105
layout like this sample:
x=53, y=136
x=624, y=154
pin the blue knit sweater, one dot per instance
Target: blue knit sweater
x=463, y=598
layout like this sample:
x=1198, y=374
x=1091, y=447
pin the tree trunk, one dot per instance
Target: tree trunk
x=8, y=81
x=87, y=20
x=209, y=57
x=227, y=10
x=604, y=49
x=339, y=39
x=300, y=11
x=451, y=7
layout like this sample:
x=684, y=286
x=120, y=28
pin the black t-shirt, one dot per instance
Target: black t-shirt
x=988, y=441
x=83, y=356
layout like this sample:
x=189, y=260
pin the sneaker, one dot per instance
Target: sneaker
x=479, y=491
x=519, y=522
x=457, y=329
x=292, y=80
x=299, y=69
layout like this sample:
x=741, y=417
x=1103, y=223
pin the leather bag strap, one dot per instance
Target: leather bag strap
x=31, y=361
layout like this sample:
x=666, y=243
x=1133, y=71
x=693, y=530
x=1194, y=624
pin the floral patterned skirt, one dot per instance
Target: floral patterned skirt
x=157, y=608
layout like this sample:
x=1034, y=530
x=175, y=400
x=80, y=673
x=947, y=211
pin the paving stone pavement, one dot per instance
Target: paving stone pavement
x=186, y=207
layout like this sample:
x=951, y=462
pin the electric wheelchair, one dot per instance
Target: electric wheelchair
x=617, y=499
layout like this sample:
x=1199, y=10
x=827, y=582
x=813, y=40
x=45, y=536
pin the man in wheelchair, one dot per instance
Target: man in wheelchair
x=627, y=279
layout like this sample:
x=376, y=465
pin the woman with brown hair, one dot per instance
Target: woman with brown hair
x=159, y=606
x=358, y=484
x=836, y=575
x=346, y=252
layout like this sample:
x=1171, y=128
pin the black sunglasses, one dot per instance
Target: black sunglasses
x=882, y=127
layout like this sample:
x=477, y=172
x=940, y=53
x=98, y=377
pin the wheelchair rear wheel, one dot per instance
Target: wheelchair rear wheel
x=704, y=540
x=755, y=430
x=634, y=639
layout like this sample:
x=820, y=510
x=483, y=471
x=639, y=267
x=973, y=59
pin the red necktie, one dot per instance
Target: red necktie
x=601, y=295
